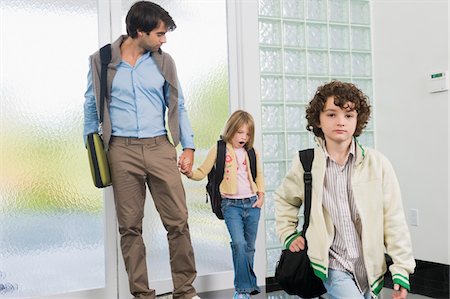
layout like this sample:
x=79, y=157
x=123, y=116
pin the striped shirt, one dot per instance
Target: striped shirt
x=346, y=249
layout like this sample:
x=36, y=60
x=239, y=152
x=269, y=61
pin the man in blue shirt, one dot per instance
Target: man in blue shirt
x=142, y=82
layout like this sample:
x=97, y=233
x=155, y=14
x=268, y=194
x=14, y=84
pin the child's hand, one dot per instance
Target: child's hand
x=186, y=173
x=399, y=292
x=186, y=160
x=185, y=165
x=297, y=245
x=260, y=201
x=185, y=168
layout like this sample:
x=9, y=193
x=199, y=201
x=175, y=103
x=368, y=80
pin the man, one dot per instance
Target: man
x=142, y=82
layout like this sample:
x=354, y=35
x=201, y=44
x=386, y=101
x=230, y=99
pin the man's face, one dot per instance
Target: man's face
x=155, y=39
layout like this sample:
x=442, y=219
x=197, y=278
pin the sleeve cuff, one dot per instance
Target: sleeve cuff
x=291, y=238
x=401, y=280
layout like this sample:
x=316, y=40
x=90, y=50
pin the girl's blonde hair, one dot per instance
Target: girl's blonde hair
x=235, y=122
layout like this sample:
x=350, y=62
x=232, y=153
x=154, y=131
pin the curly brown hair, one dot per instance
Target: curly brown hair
x=343, y=93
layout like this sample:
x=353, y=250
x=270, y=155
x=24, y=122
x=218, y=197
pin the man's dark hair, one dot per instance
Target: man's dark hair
x=343, y=93
x=146, y=16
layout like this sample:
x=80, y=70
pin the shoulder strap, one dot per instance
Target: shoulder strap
x=105, y=56
x=307, y=157
x=252, y=157
x=220, y=160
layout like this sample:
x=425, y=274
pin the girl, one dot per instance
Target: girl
x=242, y=197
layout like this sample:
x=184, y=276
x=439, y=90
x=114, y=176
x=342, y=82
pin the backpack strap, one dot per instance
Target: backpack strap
x=220, y=160
x=252, y=157
x=105, y=57
x=307, y=157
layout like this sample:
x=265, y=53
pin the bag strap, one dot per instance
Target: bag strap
x=252, y=157
x=220, y=160
x=307, y=157
x=105, y=57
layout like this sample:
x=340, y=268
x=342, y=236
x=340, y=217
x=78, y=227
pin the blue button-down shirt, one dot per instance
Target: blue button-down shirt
x=138, y=103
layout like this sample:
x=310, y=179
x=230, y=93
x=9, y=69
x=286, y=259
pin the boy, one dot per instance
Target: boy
x=356, y=207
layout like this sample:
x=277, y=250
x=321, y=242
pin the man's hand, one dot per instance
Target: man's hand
x=297, y=245
x=260, y=201
x=186, y=160
x=399, y=292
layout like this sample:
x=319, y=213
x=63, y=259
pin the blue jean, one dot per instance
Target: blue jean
x=242, y=223
x=341, y=285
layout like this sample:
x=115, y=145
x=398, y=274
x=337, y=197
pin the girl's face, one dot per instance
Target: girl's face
x=338, y=125
x=241, y=137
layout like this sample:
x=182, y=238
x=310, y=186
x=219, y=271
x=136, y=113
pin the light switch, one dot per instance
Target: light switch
x=414, y=217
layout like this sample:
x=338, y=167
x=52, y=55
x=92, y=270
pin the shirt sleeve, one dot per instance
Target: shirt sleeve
x=90, y=108
x=186, y=132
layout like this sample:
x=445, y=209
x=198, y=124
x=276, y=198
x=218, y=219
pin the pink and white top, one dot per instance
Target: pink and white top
x=244, y=189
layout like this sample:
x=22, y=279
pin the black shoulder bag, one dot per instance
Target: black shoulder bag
x=294, y=272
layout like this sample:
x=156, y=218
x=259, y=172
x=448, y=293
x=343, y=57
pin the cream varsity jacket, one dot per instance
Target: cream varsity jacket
x=229, y=182
x=378, y=200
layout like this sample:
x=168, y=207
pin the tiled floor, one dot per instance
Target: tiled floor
x=228, y=294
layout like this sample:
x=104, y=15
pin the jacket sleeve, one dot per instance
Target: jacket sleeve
x=201, y=172
x=259, y=180
x=396, y=234
x=288, y=199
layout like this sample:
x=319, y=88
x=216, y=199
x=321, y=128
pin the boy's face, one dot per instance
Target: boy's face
x=338, y=125
x=155, y=39
x=241, y=137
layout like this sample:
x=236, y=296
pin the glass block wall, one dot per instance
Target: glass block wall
x=303, y=44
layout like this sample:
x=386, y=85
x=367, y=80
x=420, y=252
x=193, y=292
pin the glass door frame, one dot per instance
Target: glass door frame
x=109, y=217
x=244, y=70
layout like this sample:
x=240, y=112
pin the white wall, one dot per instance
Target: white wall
x=410, y=40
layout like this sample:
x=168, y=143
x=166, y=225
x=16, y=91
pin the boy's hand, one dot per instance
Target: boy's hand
x=399, y=292
x=297, y=245
x=260, y=201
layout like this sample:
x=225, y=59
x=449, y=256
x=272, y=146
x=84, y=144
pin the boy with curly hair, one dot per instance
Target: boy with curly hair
x=356, y=207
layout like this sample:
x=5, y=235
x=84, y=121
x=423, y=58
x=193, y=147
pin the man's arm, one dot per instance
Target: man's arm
x=186, y=132
x=90, y=108
x=186, y=160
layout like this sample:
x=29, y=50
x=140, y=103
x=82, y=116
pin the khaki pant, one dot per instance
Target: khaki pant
x=134, y=164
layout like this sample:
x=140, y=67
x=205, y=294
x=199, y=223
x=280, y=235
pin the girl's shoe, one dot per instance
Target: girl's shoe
x=241, y=295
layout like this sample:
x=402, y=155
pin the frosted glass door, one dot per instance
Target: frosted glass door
x=51, y=216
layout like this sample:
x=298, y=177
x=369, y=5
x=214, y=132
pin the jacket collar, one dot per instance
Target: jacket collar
x=360, y=150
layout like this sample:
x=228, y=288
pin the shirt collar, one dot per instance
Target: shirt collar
x=351, y=152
